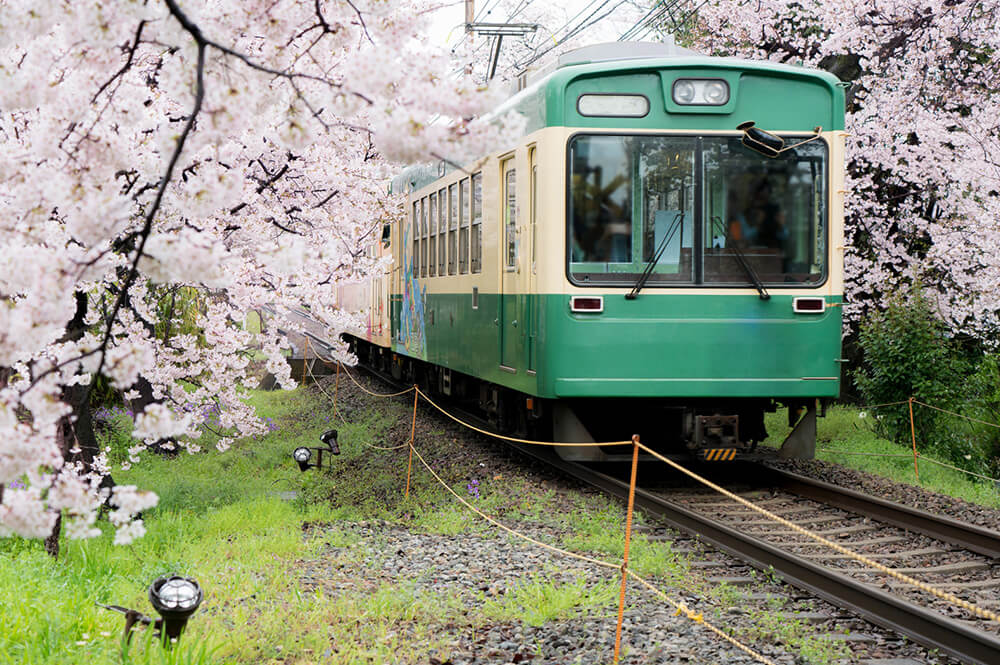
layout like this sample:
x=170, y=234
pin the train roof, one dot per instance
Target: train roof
x=777, y=96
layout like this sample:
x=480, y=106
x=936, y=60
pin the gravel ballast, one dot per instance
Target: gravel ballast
x=480, y=567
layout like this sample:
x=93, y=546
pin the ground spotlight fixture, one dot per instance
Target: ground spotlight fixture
x=302, y=455
x=329, y=437
x=175, y=598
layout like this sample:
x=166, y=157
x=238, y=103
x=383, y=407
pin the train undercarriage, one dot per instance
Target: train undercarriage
x=707, y=429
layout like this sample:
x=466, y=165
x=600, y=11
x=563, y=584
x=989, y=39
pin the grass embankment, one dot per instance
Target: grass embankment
x=845, y=437
x=221, y=520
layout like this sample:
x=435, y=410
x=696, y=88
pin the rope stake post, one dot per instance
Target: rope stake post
x=913, y=436
x=628, y=540
x=336, y=386
x=413, y=429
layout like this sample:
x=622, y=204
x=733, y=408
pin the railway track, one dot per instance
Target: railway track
x=956, y=557
x=960, y=558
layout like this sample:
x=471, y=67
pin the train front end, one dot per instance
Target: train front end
x=701, y=278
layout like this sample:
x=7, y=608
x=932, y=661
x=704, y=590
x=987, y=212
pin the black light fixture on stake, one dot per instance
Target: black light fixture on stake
x=302, y=454
x=175, y=598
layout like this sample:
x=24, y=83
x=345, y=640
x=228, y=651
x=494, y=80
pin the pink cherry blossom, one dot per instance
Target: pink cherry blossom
x=167, y=167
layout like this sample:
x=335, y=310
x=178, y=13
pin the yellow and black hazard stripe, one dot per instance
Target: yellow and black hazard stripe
x=719, y=454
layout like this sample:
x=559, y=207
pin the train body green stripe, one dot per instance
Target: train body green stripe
x=659, y=345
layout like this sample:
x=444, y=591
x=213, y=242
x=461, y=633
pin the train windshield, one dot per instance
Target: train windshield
x=689, y=208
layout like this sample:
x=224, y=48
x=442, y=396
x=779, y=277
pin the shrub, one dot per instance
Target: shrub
x=906, y=351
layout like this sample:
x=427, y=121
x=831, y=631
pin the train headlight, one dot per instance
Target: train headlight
x=701, y=92
x=716, y=93
x=684, y=92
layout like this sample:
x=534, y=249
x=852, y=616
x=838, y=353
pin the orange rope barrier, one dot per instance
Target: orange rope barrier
x=363, y=389
x=628, y=540
x=860, y=558
x=336, y=387
x=913, y=434
x=515, y=440
x=337, y=413
x=680, y=608
x=413, y=429
x=937, y=408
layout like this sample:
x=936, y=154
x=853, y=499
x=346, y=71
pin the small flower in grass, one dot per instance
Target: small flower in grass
x=473, y=488
x=862, y=414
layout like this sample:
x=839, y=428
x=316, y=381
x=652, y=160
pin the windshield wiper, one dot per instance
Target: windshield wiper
x=648, y=270
x=742, y=260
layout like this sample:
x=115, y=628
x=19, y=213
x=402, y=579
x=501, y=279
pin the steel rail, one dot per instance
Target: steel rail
x=929, y=628
x=968, y=536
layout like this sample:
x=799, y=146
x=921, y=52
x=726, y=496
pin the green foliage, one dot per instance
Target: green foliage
x=984, y=387
x=102, y=393
x=798, y=636
x=539, y=600
x=113, y=430
x=846, y=438
x=907, y=352
x=177, y=311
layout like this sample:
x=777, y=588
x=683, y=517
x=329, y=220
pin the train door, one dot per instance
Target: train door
x=507, y=302
x=531, y=297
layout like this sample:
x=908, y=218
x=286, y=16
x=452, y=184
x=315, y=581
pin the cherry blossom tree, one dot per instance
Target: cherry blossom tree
x=237, y=147
x=923, y=117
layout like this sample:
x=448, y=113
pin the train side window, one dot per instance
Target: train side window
x=423, y=238
x=415, y=260
x=534, y=210
x=452, y=228
x=510, y=215
x=463, y=223
x=476, y=240
x=432, y=235
x=442, y=230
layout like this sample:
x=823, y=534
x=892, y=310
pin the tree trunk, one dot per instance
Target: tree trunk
x=75, y=431
x=137, y=405
x=52, y=541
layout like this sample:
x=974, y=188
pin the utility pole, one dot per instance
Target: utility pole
x=497, y=30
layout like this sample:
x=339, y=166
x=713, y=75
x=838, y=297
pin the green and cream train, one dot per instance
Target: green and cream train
x=658, y=253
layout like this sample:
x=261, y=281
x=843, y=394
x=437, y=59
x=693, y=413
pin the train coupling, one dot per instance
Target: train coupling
x=716, y=438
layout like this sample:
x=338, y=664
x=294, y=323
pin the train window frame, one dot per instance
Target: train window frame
x=415, y=230
x=476, y=235
x=453, y=205
x=698, y=282
x=423, y=239
x=442, y=231
x=464, y=211
x=509, y=213
x=532, y=157
x=432, y=234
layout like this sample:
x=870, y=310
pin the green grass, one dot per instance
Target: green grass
x=221, y=520
x=218, y=520
x=845, y=437
x=538, y=600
